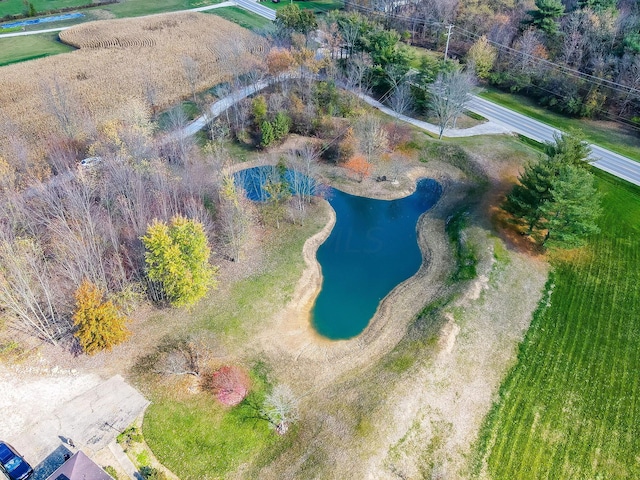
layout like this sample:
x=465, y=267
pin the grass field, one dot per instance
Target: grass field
x=200, y=439
x=216, y=440
x=609, y=135
x=136, y=8
x=241, y=17
x=125, y=8
x=18, y=49
x=569, y=409
x=318, y=6
x=16, y=7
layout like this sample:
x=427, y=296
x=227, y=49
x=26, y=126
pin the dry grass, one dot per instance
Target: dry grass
x=116, y=61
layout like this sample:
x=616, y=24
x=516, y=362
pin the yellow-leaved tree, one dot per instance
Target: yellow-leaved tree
x=100, y=324
x=177, y=258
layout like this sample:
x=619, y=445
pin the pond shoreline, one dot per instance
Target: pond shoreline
x=292, y=335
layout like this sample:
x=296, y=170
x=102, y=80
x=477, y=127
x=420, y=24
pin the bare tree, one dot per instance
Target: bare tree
x=450, y=94
x=234, y=218
x=371, y=136
x=280, y=408
x=63, y=106
x=303, y=174
x=184, y=356
x=26, y=290
x=191, y=70
x=401, y=100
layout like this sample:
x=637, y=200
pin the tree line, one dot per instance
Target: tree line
x=576, y=57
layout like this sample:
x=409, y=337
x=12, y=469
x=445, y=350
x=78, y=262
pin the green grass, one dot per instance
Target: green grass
x=195, y=436
x=241, y=17
x=318, y=6
x=261, y=294
x=569, y=409
x=199, y=439
x=16, y=7
x=136, y=8
x=19, y=49
x=614, y=137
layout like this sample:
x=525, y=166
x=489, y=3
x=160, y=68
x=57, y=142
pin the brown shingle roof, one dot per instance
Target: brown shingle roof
x=79, y=467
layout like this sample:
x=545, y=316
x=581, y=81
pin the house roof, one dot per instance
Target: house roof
x=79, y=467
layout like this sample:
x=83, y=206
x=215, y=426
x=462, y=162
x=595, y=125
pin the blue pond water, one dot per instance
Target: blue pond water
x=372, y=248
x=38, y=21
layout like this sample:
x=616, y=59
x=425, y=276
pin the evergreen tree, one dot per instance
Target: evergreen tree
x=281, y=125
x=531, y=191
x=267, y=136
x=569, y=148
x=546, y=16
x=555, y=198
x=177, y=258
x=571, y=214
x=99, y=323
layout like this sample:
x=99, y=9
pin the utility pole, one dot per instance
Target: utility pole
x=446, y=49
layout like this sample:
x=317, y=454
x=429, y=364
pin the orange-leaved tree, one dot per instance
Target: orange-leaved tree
x=279, y=60
x=359, y=166
x=100, y=325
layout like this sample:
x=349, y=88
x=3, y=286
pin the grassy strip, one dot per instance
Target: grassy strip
x=19, y=49
x=196, y=437
x=614, y=137
x=569, y=407
x=318, y=6
x=241, y=17
x=465, y=254
x=17, y=7
x=137, y=8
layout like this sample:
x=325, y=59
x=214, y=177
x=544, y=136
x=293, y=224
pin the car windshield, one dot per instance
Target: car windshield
x=12, y=464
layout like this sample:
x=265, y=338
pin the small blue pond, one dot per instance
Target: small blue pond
x=38, y=21
x=372, y=248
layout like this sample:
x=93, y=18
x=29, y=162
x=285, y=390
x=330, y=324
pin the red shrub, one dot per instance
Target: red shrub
x=230, y=384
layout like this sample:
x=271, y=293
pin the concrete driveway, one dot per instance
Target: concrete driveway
x=91, y=420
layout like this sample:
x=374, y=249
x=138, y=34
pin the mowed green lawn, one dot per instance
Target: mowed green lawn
x=124, y=8
x=318, y=6
x=570, y=408
x=196, y=437
x=18, y=49
x=612, y=136
x=16, y=7
x=241, y=17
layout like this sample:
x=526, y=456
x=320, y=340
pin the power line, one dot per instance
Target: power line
x=614, y=86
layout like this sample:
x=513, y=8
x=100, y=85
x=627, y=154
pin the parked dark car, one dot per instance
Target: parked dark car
x=12, y=463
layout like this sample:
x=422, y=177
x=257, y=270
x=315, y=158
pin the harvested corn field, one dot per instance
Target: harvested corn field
x=158, y=60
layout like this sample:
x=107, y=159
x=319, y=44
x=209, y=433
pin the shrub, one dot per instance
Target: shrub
x=230, y=384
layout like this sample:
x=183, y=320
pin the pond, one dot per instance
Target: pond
x=372, y=248
x=38, y=21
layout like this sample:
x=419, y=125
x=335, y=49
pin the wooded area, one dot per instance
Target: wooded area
x=577, y=57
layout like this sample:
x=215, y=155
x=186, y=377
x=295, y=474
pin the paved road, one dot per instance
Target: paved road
x=256, y=8
x=603, y=159
x=34, y=32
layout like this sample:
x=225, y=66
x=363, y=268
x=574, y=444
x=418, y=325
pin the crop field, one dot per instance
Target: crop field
x=116, y=61
x=18, y=49
x=569, y=408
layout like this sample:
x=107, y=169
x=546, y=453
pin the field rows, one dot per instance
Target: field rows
x=118, y=61
x=570, y=408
